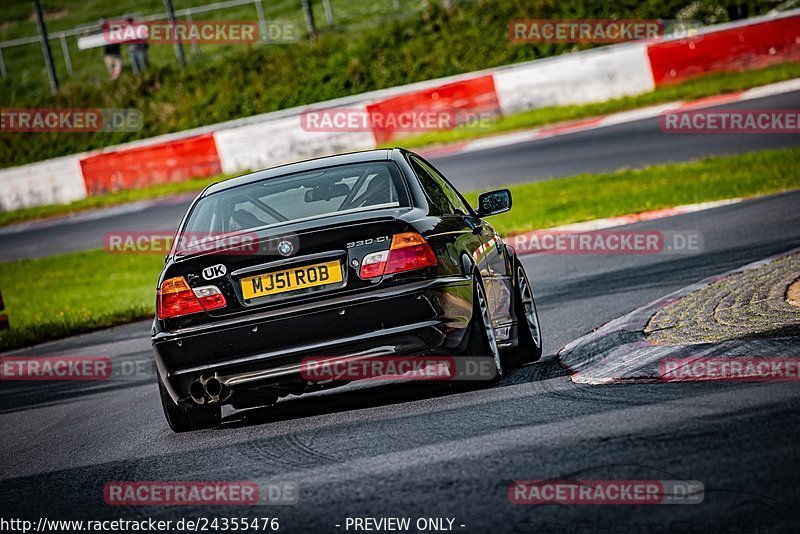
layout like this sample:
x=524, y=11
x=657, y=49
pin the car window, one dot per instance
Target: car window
x=453, y=196
x=285, y=199
x=433, y=190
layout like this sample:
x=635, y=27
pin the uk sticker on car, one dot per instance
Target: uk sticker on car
x=215, y=271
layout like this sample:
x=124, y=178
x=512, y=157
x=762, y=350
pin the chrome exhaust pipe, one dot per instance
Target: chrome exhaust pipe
x=209, y=391
x=198, y=392
x=214, y=388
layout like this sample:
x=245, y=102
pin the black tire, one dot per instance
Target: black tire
x=190, y=418
x=528, y=330
x=482, y=340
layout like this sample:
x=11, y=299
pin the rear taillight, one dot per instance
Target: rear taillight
x=176, y=298
x=210, y=297
x=409, y=251
x=374, y=264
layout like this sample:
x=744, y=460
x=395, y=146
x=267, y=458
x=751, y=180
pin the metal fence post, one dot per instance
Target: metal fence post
x=65, y=51
x=3, y=71
x=262, y=20
x=48, y=56
x=309, y=14
x=326, y=6
x=171, y=18
x=195, y=46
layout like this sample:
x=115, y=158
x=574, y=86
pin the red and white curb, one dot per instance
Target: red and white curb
x=618, y=351
x=613, y=119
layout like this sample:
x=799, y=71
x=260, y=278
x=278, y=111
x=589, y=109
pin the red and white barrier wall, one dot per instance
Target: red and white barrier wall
x=735, y=46
x=158, y=163
x=592, y=76
x=53, y=181
x=276, y=138
x=282, y=140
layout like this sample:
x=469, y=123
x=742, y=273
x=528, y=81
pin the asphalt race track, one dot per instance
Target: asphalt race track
x=630, y=145
x=422, y=450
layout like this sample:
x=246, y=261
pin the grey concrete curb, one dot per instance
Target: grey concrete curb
x=619, y=352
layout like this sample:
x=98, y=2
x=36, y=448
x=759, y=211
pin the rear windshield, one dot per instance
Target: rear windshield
x=296, y=197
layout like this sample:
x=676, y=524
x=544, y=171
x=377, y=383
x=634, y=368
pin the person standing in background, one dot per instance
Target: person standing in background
x=112, y=55
x=138, y=47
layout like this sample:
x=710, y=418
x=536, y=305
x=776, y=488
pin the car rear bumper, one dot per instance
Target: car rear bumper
x=265, y=349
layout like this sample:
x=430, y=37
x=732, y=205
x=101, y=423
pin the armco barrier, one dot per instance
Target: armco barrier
x=142, y=166
x=278, y=137
x=737, y=47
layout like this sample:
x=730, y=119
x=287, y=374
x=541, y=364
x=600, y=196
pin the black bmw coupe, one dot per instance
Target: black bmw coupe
x=364, y=255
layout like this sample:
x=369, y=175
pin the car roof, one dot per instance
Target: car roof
x=383, y=154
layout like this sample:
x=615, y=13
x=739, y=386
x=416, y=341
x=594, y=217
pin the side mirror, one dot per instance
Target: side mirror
x=494, y=202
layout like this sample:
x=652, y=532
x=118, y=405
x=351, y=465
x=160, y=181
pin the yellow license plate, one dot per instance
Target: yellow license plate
x=293, y=279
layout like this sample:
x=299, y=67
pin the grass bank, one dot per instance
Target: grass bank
x=68, y=294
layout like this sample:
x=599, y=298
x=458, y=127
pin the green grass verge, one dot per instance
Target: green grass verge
x=705, y=86
x=590, y=196
x=697, y=88
x=68, y=294
x=62, y=295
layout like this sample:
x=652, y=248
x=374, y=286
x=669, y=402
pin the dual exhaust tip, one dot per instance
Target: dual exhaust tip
x=210, y=390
